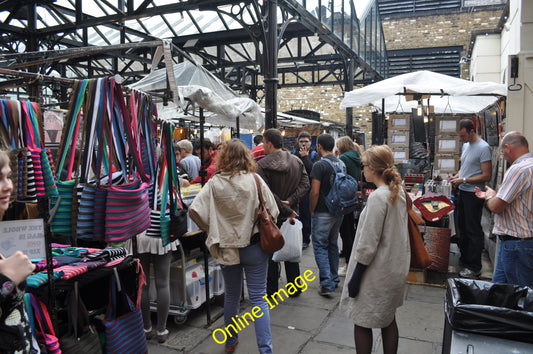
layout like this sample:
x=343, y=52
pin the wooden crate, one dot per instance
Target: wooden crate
x=399, y=122
x=400, y=155
x=398, y=139
x=416, y=276
x=446, y=164
x=446, y=125
x=448, y=144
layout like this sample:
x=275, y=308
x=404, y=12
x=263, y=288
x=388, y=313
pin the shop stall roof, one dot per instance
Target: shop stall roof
x=196, y=88
x=447, y=94
x=289, y=120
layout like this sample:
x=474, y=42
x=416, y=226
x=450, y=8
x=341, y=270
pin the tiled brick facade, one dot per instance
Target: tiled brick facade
x=443, y=29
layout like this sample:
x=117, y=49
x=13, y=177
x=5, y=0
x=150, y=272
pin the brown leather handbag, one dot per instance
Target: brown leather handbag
x=420, y=257
x=269, y=234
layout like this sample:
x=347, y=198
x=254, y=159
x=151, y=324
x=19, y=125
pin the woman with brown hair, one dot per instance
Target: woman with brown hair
x=226, y=208
x=14, y=326
x=380, y=258
x=352, y=160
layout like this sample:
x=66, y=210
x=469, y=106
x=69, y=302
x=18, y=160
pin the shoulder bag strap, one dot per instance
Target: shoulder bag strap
x=261, y=200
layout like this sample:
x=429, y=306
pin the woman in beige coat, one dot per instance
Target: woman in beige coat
x=226, y=208
x=380, y=258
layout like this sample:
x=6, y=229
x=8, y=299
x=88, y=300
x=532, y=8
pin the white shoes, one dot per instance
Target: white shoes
x=342, y=271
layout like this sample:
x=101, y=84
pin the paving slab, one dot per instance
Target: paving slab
x=313, y=347
x=421, y=321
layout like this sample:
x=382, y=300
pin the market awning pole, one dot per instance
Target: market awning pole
x=348, y=88
x=271, y=65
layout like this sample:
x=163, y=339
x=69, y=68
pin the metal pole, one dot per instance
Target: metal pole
x=349, y=87
x=271, y=68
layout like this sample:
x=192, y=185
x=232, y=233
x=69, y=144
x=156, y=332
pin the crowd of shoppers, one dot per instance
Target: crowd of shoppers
x=294, y=185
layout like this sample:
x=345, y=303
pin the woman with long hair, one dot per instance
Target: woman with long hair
x=15, y=333
x=379, y=264
x=226, y=208
x=349, y=154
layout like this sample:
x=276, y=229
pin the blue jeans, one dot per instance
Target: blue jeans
x=325, y=233
x=255, y=263
x=514, y=264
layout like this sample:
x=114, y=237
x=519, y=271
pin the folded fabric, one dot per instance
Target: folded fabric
x=41, y=278
x=108, y=254
x=75, y=269
x=41, y=265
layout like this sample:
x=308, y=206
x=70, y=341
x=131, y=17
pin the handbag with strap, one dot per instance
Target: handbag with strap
x=175, y=226
x=81, y=337
x=420, y=257
x=43, y=327
x=124, y=328
x=127, y=206
x=269, y=234
x=62, y=222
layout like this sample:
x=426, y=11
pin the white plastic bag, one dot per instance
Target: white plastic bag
x=292, y=250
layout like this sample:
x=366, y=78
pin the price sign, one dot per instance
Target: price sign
x=26, y=236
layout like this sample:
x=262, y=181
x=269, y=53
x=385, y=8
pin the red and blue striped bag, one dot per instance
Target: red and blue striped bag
x=46, y=337
x=124, y=332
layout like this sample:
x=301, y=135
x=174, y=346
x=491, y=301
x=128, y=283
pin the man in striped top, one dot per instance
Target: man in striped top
x=513, y=208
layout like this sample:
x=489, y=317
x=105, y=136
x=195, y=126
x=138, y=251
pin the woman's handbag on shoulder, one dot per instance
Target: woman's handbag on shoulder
x=420, y=257
x=270, y=235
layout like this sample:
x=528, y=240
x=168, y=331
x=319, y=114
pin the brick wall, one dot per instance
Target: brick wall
x=443, y=29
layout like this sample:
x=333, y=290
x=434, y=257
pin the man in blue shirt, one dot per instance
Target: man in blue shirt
x=476, y=169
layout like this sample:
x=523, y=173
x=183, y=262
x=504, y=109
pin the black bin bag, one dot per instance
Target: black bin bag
x=486, y=308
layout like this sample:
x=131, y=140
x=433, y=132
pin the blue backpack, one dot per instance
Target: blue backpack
x=342, y=197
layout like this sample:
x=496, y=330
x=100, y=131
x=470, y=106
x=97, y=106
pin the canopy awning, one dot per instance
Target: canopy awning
x=447, y=94
x=197, y=87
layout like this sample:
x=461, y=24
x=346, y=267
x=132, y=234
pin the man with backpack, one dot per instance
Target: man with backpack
x=326, y=222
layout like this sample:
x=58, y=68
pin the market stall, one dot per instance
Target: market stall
x=420, y=122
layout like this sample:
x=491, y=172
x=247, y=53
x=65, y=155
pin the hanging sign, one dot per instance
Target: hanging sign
x=26, y=236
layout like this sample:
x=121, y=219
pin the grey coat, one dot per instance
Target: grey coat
x=382, y=243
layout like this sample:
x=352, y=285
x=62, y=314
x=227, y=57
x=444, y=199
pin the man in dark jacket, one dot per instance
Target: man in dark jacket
x=286, y=176
x=308, y=155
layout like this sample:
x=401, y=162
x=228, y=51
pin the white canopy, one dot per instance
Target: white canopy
x=198, y=86
x=448, y=94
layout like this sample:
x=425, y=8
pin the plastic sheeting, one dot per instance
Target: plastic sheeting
x=463, y=93
x=197, y=87
x=497, y=310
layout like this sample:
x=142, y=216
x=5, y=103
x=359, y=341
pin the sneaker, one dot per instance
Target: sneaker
x=162, y=336
x=342, y=271
x=149, y=333
x=304, y=245
x=323, y=292
x=470, y=274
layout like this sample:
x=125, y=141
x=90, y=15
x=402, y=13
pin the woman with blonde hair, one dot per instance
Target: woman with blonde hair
x=15, y=333
x=226, y=208
x=352, y=159
x=380, y=258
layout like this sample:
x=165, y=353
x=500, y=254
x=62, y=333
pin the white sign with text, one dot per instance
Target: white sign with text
x=23, y=235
